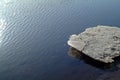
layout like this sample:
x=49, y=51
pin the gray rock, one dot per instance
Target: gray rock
x=100, y=43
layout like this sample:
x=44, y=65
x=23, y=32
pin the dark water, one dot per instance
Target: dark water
x=34, y=34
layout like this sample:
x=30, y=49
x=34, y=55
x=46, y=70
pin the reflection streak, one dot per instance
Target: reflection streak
x=2, y=27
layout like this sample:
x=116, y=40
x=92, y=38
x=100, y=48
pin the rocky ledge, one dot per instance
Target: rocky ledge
x=101, y=43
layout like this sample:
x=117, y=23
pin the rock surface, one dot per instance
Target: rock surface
x=101, y=43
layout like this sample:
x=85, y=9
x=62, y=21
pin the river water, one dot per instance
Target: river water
x=34, y=35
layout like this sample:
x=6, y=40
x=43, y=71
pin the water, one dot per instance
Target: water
x=34, y=34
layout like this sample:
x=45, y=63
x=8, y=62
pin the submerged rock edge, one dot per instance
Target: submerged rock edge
x=101, y=43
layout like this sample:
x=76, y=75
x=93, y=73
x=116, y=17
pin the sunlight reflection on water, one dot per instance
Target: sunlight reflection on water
x=2, y=27
x=2, y=20
x=33, y=35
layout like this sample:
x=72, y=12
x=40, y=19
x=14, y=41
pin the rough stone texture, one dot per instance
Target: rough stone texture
x=101, y=43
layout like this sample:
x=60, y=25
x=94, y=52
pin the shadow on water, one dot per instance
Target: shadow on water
x=88, y=60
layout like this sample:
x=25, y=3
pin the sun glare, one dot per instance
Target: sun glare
x=2, y=27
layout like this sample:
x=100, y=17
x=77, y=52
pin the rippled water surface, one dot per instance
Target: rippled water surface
x=34, y=34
